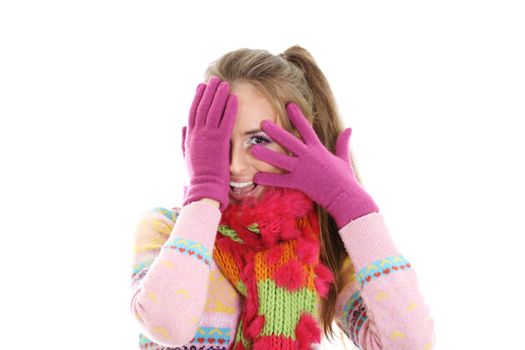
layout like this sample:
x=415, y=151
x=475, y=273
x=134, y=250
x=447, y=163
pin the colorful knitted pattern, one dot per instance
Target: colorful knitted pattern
x=269, y=248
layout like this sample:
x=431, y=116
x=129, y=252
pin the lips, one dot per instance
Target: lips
x=243, y=190
x=249, y=193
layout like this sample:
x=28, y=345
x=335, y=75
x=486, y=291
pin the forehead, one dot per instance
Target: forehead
x=252, y=108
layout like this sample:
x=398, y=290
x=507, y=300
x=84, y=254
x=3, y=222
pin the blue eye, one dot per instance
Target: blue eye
x=260, y=139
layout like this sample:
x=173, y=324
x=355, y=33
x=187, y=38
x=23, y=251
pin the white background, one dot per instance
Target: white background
x=93, y=96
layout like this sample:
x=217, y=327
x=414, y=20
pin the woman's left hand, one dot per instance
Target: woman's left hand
x=326, y=178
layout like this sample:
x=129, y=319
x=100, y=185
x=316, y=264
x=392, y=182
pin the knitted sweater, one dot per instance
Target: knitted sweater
x=181, y=300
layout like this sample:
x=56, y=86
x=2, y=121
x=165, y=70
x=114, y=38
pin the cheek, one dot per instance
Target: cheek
x=266, y=167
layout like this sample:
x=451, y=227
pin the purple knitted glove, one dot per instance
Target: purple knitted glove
x=206, y=142
x=327, y=179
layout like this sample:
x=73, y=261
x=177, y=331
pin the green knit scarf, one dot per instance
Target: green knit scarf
x=269, y=249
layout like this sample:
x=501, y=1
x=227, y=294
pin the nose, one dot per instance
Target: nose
x=238, y=161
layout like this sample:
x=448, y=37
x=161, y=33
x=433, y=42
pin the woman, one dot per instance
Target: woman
x=276, y=238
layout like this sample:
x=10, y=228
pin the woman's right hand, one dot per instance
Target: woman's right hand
x=206, y=142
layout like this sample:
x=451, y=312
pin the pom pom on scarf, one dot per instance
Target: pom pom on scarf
x=239, y=346
x=307, y=331
x=324, y=272
x=273, y=255
x=290, y=275
x=323, y=279
x=307, y=251
x=255, y=326
x=264, y=343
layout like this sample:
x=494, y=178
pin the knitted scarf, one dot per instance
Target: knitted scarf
x=269, y=249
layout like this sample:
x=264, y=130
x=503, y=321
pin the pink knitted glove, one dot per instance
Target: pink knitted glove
x=327, y=179
x=206, y=142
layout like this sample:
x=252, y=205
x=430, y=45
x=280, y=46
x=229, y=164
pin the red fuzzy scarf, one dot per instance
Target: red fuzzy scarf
x=269, y=250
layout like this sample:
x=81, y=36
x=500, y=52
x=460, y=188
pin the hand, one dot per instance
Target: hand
x=206, y=142
x=327, y=179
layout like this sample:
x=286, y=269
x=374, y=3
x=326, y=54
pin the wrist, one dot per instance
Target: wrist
x=351, y=204
x=210, y=201
x=208, y=192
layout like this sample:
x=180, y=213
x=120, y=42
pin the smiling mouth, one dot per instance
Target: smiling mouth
x=239, y=192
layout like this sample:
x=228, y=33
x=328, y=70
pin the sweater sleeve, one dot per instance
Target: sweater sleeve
x=382, y=306
x=171, y=267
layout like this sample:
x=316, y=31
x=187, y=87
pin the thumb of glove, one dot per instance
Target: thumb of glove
x=341, y=145
x=183, y=141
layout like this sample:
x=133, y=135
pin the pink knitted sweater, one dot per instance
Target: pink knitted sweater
x=181, y=300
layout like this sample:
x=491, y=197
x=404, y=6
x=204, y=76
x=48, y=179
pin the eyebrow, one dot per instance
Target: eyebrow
x=254, y=131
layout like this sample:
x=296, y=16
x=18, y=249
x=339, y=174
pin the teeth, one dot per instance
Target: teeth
x=241, y=184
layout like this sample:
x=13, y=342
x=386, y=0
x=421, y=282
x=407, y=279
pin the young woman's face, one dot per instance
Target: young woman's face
x=253, y=108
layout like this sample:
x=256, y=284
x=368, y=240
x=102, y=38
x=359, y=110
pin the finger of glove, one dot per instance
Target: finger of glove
x=196, y=100
x=276, y=180
x=183, y=144
x=274, y=158
x=301, y=124
x=341, y=145
x=230, y=112
x=283, y=137
x=218, y=105
x=206, y=101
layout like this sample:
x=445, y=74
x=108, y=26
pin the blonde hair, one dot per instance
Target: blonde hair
x=294, y=76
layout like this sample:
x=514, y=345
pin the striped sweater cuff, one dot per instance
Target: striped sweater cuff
x=197, y=222
x=367, y=239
